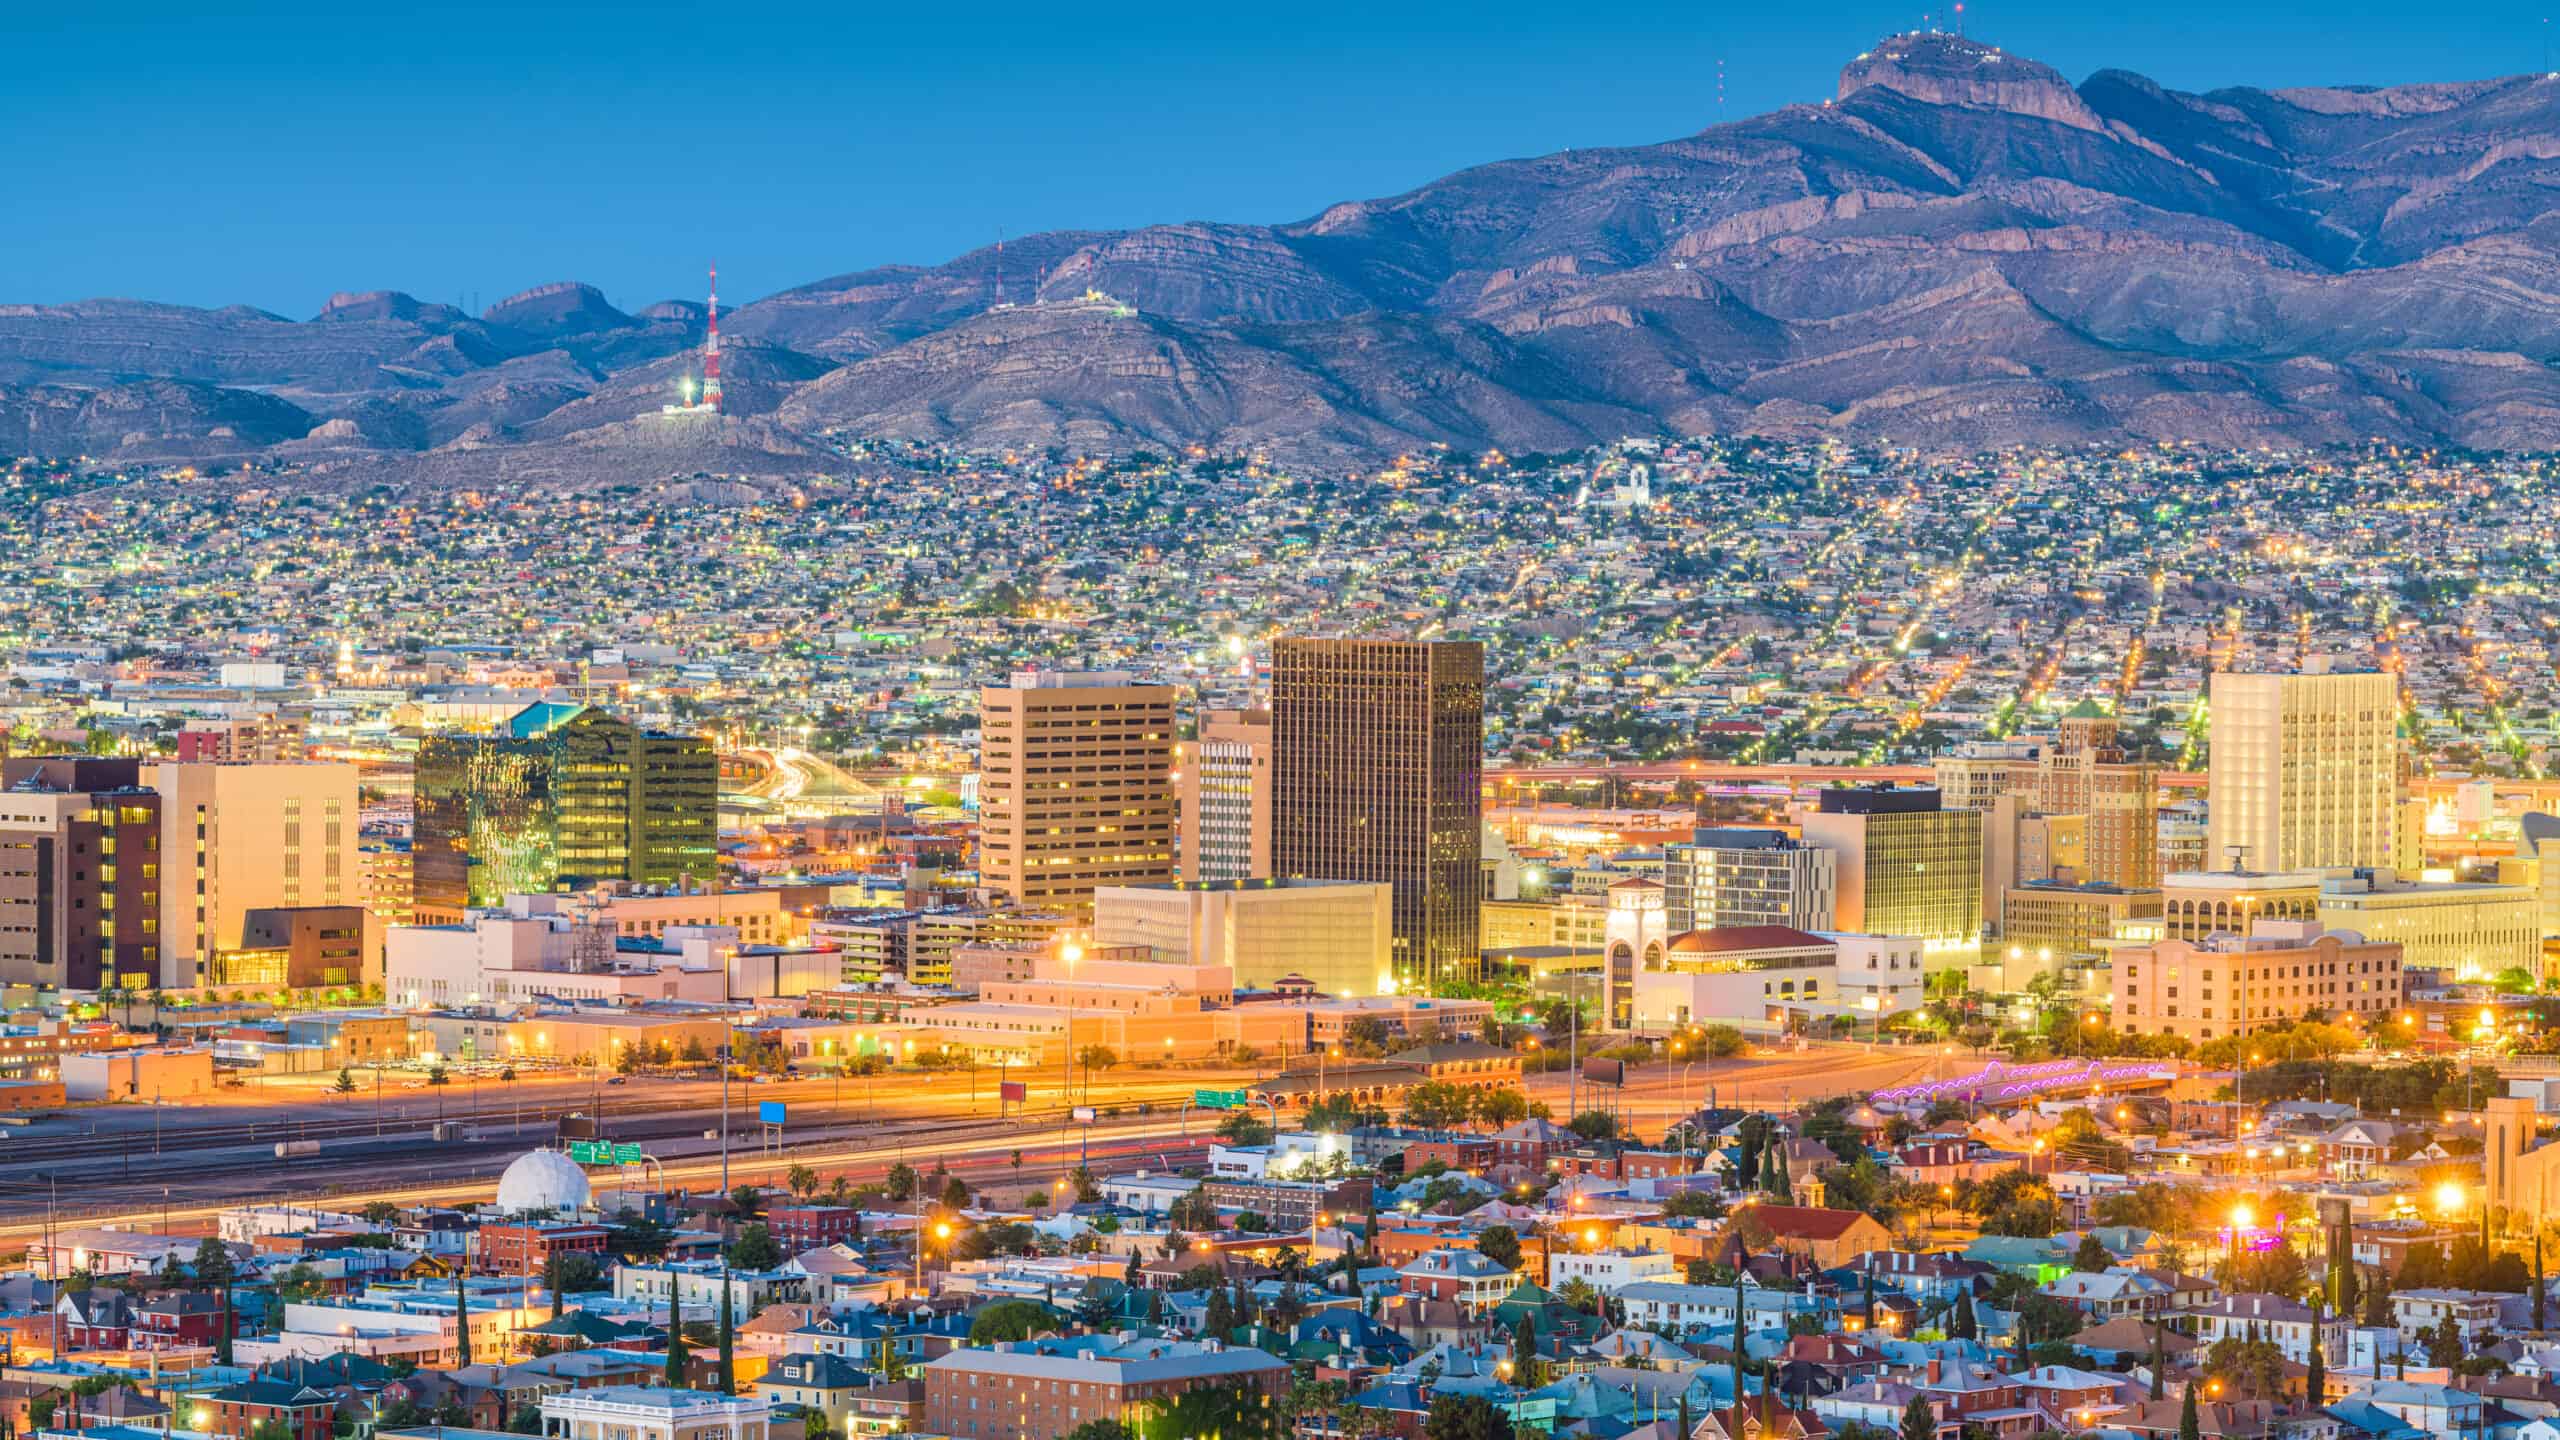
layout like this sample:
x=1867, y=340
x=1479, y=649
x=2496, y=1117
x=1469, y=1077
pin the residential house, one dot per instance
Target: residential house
x=1830, y=1238
x=820, y=1384
x=2287, y=1324
x=2473, y=1312
x=1467, y=1278
x=234, y=1411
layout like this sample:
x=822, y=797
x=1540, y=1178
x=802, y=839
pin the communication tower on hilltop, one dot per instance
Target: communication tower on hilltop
x=708, y=403
x=711, y=350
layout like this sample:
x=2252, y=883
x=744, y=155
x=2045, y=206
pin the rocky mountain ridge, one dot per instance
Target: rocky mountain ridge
x=1960, y=250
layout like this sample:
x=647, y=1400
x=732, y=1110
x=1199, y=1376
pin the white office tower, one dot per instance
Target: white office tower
x=2304, y=771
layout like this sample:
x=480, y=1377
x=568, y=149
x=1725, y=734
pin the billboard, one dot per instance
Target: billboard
x=1605, y=1072
x=1084, y=1114
x=771, y=1112
x=1013, y=1090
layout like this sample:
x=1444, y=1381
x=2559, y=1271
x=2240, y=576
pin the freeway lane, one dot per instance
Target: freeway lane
x=917, y=1119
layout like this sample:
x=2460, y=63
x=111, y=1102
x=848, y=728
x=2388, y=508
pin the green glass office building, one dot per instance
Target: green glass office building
x=561, y=798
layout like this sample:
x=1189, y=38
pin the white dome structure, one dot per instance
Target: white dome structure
x=543, y=1180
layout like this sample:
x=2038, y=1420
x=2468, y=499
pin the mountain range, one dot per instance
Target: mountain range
x=1960, y=250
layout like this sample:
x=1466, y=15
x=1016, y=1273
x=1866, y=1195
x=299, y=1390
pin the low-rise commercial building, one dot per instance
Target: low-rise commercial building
x=1333, y=933
x=2283, y=969
x=1040, y=1390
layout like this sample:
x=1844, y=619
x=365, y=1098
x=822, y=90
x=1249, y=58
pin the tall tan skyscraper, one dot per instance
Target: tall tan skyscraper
x=1226, y=797
x=2303, y=772
x=1377, y=774
x=243, y=836
x=1075, y=787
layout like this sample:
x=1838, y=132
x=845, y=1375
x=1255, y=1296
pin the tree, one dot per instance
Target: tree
x=1102, y=1430
x=566, y=1271
x=1494, y=1109
x=213, y=1264
x=1335, y=1114
x=461, y=1314
x=346, y=1082
x=755, y=1248
x=1094, y=1310
x=2189, y=1427
x=2092, y=1258
x=2444, y=1343
x=1096, y=1057
x=677, y=1359
x=748, y=1199
x=378, y=1212
x=2377, y=1301
x=803, y=1180
x=901, y=1182
x=1501, y=1245
x=2276, y=1270
x=525, y=1420
x=1961, y=1322
x=636, y=1237
x=728, y=1382
x=2247, y=1365
x=1438, y=1105
x=1243, y=1127
x=1194, y=1212
x=1594, y=1125
x=1465, y=1417
x=1918, y=1421
x=1010, y=1320
x=1526, y=1367
x=1366, y=1036
x=955, y=1193
x=298, y=1285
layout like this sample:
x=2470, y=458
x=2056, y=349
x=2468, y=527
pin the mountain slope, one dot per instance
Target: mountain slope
x=1960, y=249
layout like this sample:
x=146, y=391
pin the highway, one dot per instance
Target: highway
x=169, y=1165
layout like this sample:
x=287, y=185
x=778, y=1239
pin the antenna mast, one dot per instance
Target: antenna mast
x=711, y=350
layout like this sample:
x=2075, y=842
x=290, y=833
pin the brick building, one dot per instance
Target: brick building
x=1040, y=1390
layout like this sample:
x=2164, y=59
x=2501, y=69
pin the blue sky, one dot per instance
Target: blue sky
x=271, y=154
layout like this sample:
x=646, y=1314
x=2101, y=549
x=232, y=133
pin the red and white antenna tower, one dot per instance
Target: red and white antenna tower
x=711, y=350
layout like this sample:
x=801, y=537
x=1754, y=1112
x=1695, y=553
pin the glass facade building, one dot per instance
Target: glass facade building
x=563, y=798
x=1377, y=774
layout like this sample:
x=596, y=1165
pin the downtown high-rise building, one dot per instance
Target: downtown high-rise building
x=1907, y=865
x=1226, y=797
x=2304, y=771
x=563, y=797
x=238, y=836
x=1377, y=775
x=1075, y=787
x=79, y=874
x=2081, y=772
x=1726, y=878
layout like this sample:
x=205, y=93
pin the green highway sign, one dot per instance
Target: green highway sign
x=626, y=1153
x=601, y=1152
x=1218, y=1099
